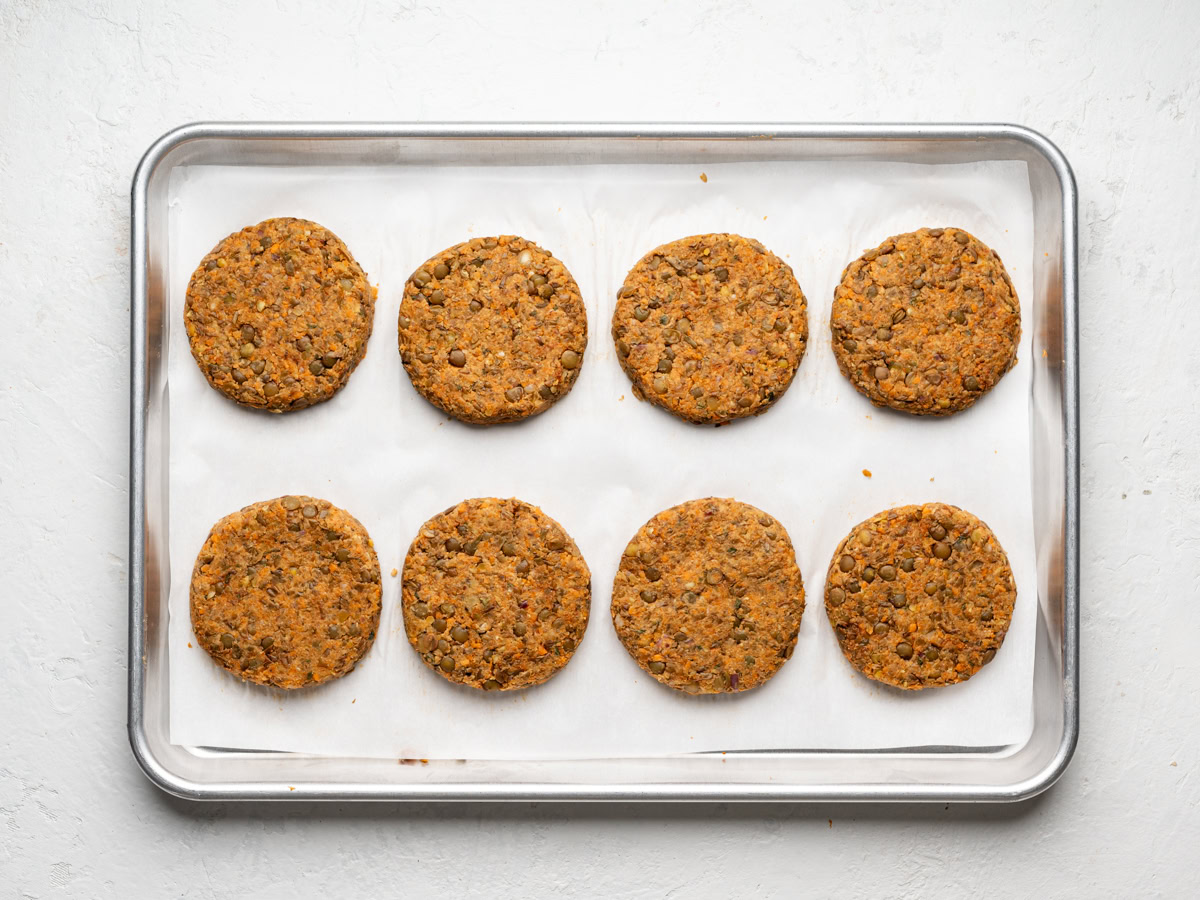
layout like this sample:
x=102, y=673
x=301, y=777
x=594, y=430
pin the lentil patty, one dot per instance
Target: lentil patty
x=278, y=315
x=492, y=330
x=920, y=596
x=708, y=597
x=286, y=592
x=927, y=322
x=495, y=594
x=711, y=327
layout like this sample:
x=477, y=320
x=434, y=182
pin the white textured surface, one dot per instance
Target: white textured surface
x=405, y=461
x=87, y=86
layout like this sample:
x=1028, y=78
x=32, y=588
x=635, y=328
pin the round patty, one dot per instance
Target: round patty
x=286, y=592
x=495, y=594
x=279, y=314
x=927, y=322
x=920, y=596
x=708, y=597
x=492, y=330
x=711, y=327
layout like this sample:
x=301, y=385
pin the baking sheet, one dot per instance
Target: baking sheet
x=599, y=461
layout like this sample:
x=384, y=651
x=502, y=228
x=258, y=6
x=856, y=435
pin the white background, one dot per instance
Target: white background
x=87, y=86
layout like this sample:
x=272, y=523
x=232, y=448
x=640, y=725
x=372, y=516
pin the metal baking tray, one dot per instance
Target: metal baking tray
x=937, y=773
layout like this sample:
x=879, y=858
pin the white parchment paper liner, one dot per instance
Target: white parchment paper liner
x=600, y=462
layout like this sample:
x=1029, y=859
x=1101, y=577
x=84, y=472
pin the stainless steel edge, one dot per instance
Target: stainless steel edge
x=135, y=715
x=161, y=774
x=1070, y=389
x=500, y=130
x=137, y=476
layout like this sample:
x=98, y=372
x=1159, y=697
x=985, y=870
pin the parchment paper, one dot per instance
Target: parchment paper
x=599, y=461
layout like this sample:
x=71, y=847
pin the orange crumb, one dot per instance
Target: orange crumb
x=394, y=573
x=703, y=177
x=867, y=473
